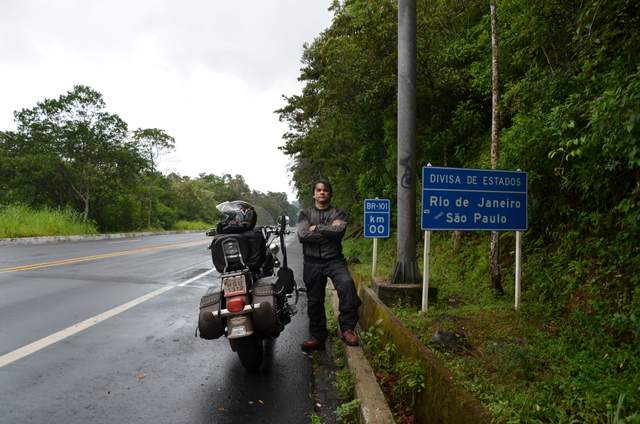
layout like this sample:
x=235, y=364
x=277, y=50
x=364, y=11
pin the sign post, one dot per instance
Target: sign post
x=518, y=267
x=425, y=276
x=377, y=224
x=475, y=200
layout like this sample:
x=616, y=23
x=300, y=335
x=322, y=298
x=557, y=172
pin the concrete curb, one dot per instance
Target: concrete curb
x=373, y=407
x=442, y=400
x=54, y=239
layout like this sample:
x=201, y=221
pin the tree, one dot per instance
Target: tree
x=494, y=268
x=87, y=146
x=152, y=143
x=344, y=119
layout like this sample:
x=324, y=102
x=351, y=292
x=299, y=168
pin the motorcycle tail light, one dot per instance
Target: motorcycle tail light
x=235, y=304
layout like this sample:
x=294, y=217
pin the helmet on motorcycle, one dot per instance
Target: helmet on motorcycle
x=237, y=216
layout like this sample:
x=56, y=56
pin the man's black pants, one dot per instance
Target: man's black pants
x=315, y=279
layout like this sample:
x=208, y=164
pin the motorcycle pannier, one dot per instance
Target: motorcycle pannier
x=264, y=318
x=252, y=249
x=210, y=327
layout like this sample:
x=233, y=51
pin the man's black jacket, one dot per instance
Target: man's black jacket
x=324, y=241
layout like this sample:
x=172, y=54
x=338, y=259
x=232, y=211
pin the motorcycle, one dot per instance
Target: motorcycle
x=252, y=302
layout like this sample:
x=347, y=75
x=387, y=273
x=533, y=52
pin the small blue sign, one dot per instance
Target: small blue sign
x=377, y=218
x=473, y=199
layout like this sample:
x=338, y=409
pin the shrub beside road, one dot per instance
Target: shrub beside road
x=560, y=358
x=22, y=221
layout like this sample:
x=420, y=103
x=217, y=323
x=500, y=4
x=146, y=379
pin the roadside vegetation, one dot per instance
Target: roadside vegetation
x=22, y=221
x=71, y=154
x=400, y=378
x=190, y=225
x=565, y=356
x=570, y=118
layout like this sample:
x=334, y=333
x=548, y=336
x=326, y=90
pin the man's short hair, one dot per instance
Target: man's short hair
x=324, y=182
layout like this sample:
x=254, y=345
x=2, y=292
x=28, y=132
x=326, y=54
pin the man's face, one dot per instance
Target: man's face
x=321, y=194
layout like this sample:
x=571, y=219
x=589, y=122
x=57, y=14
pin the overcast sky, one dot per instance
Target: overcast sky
x=208, y=72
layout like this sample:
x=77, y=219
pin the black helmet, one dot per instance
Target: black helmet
x=237, y=216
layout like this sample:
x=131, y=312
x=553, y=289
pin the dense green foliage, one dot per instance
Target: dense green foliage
x=71, y=153
x=571, y=119
x=570, y=94
x=571, y=115
x=531, y=365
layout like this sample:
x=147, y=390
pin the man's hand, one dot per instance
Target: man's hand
x=334, y=223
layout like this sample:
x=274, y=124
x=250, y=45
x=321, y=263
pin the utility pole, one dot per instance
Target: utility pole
x=406, y=268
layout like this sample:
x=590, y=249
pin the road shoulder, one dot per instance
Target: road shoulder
x=373, y=407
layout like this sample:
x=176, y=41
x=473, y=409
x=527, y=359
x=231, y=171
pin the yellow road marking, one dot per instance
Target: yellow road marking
x=69, y=261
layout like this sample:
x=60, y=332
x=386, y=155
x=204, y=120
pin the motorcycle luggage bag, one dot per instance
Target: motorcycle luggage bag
x=265, y=320
x=210, y=327
x=252, y=248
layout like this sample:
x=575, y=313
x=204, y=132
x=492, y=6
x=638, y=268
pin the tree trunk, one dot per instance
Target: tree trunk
x=494, y=269
x=457, y=234
x=149, y=212
x=150, y=199
x=85, y=200
x=85, y=214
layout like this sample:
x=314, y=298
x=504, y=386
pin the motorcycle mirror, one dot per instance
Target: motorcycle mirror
x=211, y=232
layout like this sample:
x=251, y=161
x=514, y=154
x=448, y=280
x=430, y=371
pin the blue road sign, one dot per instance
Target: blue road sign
x=377, y=218
x=473, y=199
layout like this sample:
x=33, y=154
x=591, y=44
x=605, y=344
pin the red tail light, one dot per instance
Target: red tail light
x=235, y=304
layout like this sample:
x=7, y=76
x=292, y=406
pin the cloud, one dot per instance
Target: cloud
x=210, y=73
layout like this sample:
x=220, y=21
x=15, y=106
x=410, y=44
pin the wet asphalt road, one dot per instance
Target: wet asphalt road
x=143, y=365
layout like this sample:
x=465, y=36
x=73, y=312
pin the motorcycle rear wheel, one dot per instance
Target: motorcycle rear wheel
x=250, y=352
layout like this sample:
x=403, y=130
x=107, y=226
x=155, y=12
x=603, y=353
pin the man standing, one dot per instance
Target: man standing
x=320, y=230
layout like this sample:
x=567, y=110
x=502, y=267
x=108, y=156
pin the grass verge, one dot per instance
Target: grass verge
x=562, y=358
x=190, y=225
x=22, y=221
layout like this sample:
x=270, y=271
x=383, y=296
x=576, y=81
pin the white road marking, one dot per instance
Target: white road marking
x=197, y=277
x=20, y=353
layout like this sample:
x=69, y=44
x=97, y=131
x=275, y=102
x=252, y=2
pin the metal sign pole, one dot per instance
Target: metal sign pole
x=375, y=259
x=518, y=266
x=425, y=274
